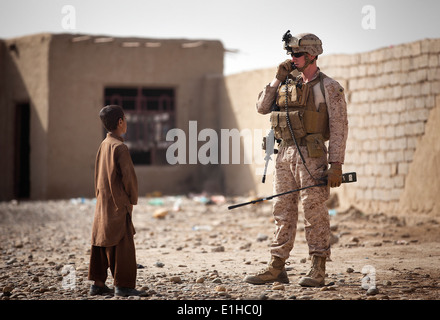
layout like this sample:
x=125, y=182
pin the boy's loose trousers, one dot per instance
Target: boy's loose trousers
x=121, y=259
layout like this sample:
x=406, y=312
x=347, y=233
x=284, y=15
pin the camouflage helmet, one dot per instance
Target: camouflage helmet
x=304, y=42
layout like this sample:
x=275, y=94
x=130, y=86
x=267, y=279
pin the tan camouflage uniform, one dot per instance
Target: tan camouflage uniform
x=290, y=174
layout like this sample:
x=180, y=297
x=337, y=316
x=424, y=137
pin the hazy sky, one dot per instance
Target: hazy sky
x=253, y=27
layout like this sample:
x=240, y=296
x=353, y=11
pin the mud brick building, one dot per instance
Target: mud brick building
x=53, y=86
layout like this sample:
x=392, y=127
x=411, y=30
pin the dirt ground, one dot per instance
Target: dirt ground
x=194, y=248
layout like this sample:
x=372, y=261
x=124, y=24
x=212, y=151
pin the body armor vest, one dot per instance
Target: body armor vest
x=308, y=124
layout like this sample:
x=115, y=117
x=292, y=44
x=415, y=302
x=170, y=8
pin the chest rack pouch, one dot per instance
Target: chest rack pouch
x=296, y=98
x=281, y=129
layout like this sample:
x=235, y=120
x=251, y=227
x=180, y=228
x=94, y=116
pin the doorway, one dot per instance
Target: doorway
x=22, y=148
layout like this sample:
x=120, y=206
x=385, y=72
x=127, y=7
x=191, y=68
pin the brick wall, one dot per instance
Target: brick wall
x=390, y=94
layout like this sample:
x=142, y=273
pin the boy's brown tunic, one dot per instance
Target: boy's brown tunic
x=116, y=192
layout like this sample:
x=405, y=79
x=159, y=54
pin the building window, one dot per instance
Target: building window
x=150, y=113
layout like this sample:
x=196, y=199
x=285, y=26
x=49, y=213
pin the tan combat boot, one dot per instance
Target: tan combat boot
x=316, y=275
x=274, y=272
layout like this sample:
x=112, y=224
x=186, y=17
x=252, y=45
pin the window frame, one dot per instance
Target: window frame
x=150, y=113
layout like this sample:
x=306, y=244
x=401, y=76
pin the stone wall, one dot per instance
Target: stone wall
x=391, y=93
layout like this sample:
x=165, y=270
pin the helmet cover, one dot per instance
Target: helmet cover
x=304, y=42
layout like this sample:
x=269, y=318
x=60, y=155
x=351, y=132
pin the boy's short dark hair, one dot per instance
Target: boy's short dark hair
x=110, y=116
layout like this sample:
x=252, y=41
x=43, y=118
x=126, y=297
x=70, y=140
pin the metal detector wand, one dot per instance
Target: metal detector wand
x=346, y=178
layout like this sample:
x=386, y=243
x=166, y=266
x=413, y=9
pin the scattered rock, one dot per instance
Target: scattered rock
x=262, y=237
x=328, y=288
x=200, y=280
x=220, y=288
x=278, y=286
x=7, y=290
x=18, y=295
x=217, y=280
x=372, y=291
x=175, y=279
x=354, y=239
x=386, y=283
x=218, y=249
x=350, y=270
x=160, y=213
x=44, y=289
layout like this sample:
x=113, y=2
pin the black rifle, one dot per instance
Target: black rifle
x=346, y=178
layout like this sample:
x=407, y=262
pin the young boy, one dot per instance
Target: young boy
x=116, y=192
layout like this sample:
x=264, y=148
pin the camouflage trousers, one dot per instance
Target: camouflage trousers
x=290, y=174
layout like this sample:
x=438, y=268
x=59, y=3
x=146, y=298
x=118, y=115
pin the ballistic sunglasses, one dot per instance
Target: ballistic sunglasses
x=297, y=54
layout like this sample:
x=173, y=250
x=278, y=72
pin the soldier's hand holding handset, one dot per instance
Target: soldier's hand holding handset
x=284, y=69
x=334, y=175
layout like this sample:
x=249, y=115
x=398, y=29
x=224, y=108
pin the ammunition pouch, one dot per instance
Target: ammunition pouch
x=317, y=121
x=296, y=95
x=315, y=145
x=280, y=126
